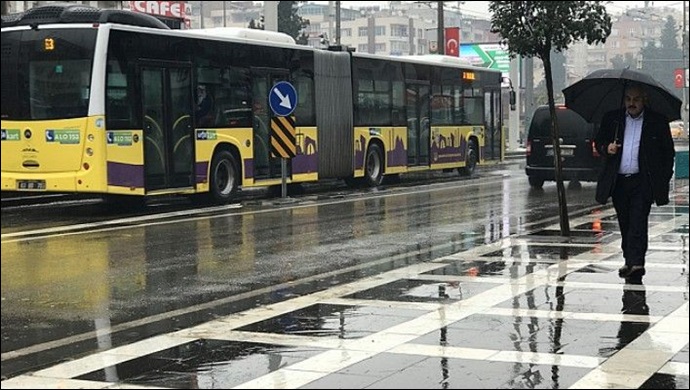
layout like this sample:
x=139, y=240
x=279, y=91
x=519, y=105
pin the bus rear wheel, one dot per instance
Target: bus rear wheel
x=471, y=159
x=373, y=166
x=224, y=177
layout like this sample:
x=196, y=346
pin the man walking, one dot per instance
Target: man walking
x=638, y=166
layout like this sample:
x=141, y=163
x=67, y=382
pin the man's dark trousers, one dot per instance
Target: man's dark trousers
x=632, y=199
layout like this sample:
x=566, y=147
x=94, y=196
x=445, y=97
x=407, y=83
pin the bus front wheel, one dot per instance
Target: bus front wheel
x=224, y=177
x=373, y=166
x=471, y=159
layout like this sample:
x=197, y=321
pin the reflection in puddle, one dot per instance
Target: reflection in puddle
x=539, y=252
x=204, y=364
x=420, y=372
x=409, y=290
x=666, y=381
x=343, y=322
x=491, y=268
x=595, y=235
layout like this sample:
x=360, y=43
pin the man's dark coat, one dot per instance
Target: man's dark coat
x=655, y=159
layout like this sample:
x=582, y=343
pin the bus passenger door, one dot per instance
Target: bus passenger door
x=418, y=124
x=166, y=92
x=492, y=121
x=266, y=166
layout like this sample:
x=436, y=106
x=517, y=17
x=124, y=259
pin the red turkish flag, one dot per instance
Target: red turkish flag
x=453, y=41
x=679, y=77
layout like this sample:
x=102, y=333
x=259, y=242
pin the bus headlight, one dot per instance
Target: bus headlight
x=89, y=152
x=90, y=137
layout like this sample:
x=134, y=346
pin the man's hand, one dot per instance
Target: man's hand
x=613, y=148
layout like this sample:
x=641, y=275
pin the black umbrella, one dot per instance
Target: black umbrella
x=602, y=91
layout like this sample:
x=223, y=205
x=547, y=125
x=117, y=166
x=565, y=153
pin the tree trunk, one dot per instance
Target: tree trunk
x=556, y=134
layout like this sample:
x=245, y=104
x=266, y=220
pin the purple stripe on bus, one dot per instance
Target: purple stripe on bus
x=248, y=168
x=359, y=153
x=125, y=175
x=398, y=156
x=443, y=150
x=201, y=171
x=307, y=158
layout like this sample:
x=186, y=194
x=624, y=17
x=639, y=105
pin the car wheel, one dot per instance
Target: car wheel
x=536, y=182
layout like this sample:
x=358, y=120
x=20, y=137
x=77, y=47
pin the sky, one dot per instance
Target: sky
x=481, y=8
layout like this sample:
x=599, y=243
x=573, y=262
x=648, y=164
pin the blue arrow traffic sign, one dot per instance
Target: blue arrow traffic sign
x=283, y=98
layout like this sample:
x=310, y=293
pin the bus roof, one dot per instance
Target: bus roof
x=430, y=59
x=79, y=13
x=247, y=33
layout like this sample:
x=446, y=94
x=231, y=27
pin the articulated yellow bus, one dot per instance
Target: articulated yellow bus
x=113, y=102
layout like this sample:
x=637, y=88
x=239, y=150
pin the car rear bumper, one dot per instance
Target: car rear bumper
x=549, y=173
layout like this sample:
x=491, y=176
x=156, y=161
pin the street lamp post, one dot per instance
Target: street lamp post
x=441, y=41
x=337, y=23
x=686, y=98
x=440, y=28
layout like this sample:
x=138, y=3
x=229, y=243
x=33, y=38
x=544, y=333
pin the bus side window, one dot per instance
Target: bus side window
x=118, y=101
x=234, y=99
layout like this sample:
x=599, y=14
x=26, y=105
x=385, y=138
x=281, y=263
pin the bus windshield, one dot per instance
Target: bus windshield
x=46, y=74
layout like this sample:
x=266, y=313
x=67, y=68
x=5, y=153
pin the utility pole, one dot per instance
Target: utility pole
x=514, y=115
x=337, y=23
x=331, y=16
x=529, y=95
x=271, y=15
x=686, y=99
x=441, y=41
x=201, y=13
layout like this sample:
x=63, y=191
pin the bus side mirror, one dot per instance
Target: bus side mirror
x=512, y=100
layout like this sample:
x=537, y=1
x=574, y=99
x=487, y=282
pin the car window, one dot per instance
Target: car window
x=570, y=124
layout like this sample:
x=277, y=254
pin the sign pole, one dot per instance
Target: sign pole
x=283, y=174
x=283, y=100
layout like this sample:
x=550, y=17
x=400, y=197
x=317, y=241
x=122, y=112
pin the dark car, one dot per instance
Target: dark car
x=581, y=161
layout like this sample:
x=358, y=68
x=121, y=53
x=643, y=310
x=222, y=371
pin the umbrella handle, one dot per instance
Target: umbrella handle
x=616, y=125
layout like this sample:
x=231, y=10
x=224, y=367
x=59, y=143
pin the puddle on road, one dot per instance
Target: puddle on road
x=666, y=381
x=204, y=364
x=508, y=269
x=409, y=290
x=611, y=226
x=539, y=252
x=633, y=300
x=533, y=334
x=393, y=371
x=339, y=321
x=591, y=236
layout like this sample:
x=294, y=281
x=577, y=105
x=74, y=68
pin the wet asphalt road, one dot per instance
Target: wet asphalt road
x=72, y=268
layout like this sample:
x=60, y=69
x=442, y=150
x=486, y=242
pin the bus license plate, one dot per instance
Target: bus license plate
x=31, y=185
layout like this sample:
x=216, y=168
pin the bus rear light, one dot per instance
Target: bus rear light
x=528, y=148
x=595, y=152
x=86, y=166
